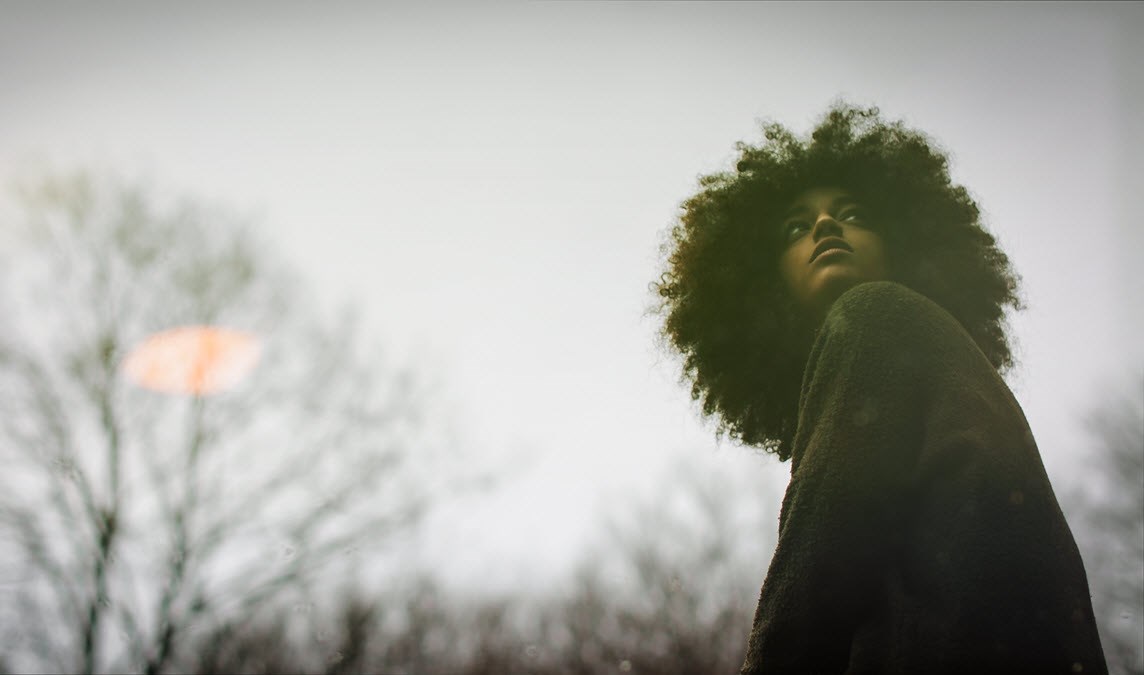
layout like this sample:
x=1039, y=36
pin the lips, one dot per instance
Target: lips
x=828, y=244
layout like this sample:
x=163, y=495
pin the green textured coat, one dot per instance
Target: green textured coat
x=919, y=532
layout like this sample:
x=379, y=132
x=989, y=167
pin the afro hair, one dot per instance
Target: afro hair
x=724, y=308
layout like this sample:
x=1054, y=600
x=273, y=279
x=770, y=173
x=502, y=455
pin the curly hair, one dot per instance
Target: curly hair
x=723, y=304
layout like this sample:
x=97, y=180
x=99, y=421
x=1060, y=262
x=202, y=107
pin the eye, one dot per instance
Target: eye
x=852, y=214
x=793, y=229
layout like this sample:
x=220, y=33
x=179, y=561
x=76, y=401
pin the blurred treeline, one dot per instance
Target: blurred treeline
x=158, y=533
x=668, y=591
x=1106, y=513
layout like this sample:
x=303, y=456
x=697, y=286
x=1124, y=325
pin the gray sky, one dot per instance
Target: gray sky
x=490, y=184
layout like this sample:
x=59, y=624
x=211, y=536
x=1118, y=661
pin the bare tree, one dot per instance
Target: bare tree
x=1110, y=515
x=132, y=520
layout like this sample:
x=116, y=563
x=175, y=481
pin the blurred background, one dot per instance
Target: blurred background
x=326, y=343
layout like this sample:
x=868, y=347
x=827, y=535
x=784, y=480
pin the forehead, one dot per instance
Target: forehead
x=818, y=199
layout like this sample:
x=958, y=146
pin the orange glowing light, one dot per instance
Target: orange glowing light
x=193, y=360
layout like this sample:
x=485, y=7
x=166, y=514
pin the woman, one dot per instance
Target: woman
x=837, y=302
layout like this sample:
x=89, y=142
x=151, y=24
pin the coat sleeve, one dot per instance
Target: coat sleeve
x=919, y=532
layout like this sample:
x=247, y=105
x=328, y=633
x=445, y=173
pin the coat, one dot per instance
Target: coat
x=919, y=532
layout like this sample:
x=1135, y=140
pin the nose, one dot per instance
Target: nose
x=826, y=226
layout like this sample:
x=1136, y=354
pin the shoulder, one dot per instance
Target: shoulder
x=884, y=314
x=887, y=307
x=886, y=300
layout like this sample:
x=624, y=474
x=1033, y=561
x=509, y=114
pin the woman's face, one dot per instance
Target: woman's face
x=831, y=246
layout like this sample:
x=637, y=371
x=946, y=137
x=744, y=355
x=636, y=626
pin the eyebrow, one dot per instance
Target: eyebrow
x=835, y=203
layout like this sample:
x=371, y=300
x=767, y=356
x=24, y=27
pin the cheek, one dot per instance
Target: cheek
x=789, y=270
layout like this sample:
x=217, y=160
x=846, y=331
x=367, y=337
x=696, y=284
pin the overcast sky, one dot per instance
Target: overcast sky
x=490, y=184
